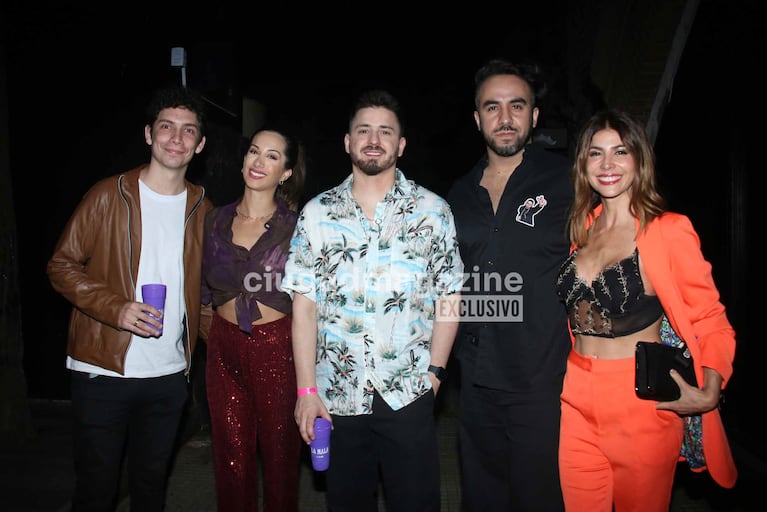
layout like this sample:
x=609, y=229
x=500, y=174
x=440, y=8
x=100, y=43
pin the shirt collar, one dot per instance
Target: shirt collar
x=402, y=187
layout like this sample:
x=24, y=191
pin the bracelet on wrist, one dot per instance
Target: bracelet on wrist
x=307, y=391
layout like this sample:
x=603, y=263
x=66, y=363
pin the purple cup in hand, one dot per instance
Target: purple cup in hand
x=154, y=295
x=320, y=447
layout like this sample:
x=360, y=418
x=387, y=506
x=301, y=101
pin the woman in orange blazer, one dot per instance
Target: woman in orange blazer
x=632, y=264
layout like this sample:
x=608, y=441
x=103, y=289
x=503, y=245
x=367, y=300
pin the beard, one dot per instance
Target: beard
x=511, y=149
x=373, y=166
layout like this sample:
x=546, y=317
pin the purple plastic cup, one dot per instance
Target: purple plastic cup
x=320, y=447
x=154, y=294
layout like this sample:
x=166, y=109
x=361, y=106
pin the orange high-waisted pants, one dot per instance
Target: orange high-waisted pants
x=614, y=447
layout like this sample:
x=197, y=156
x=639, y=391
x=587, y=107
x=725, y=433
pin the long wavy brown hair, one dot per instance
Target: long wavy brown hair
x=646, y=202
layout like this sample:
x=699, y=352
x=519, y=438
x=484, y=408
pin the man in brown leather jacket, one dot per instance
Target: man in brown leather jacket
x=129, y=379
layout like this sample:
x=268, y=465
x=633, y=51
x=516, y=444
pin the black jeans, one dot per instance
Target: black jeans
x=403, y=444
x=110, y=411
x=509, y=446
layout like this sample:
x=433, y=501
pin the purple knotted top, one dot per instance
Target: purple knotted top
x=230, y=271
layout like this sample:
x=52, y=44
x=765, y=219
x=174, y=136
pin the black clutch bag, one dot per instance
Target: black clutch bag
x=653, y=362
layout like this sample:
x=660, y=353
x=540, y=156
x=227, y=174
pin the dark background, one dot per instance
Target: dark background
x=79, y=78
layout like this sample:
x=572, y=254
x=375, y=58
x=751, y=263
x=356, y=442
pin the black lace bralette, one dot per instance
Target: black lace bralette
x=614, y=304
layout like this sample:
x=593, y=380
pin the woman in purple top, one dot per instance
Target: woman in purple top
x=250, y=377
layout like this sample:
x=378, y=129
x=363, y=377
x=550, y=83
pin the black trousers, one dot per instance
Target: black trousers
x=509, y=445
x=110, y=412
x=402, y=444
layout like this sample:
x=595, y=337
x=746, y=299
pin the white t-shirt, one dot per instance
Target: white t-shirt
x=161, y=261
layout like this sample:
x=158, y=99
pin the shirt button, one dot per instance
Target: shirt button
x=496, y=229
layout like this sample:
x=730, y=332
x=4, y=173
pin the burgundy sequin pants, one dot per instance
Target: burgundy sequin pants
x=251, y=388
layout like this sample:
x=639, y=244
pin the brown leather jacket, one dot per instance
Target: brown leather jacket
x=95, y=265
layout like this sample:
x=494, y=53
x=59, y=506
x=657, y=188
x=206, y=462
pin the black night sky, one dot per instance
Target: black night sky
x=78, y=80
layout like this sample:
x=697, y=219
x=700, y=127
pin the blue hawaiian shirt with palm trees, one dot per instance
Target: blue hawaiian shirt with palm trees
x=375, y=285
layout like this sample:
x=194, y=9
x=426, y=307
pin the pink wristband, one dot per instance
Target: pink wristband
x=307, y=391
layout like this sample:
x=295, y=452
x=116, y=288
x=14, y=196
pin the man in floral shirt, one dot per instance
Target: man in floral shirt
x=375, y=275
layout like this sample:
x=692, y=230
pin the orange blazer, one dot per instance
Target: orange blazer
x=670, y=251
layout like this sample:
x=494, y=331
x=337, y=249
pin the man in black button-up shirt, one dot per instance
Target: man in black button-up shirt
x=511, y=212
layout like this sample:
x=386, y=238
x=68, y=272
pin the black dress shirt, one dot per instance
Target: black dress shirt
x=517, y=338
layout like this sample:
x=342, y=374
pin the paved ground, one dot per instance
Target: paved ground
x=191, y=485
x=37, y=475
